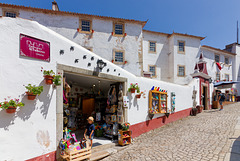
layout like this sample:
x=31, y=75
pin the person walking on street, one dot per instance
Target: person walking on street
x=221, y=99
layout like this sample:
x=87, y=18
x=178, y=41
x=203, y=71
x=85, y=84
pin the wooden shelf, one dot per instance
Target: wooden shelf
x=126, y=137
x=157, y=103
x=121, y=137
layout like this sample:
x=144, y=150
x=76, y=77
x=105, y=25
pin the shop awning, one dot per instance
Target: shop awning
x=225, y=84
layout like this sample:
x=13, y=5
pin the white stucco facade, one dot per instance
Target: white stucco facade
x=227, y=69
x=33, y=127
x=101, y=41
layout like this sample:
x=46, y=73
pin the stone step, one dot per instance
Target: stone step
x=103, y=147
x=99, y=155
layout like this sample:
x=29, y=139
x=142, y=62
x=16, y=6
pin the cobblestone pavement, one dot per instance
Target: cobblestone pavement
x=207, y=136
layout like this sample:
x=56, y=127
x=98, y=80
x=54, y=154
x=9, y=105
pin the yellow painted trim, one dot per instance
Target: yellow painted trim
x=154, y=52
x=178, y=70
x=181, y=52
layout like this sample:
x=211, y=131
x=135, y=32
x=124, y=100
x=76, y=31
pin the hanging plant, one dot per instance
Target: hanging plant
x=133, y=88
x=11, y=105
x=48, y=76
x=57, y=80
x=33, y=91
x=141, y=94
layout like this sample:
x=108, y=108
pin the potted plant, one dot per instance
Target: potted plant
x=125, y=126
x=57, y=80
x=48, y=76
x=11, y=105
x=140, y=94
x=33, y=91
x=134, y=87
x=194, y=111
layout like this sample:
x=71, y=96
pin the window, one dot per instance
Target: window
x=152, y=47
x=119, y=57
x=181, y=70
x=181, y=46
x=227, y=77
x=152, y=69
x=218, y=77
x=85, y=26
x=226, y=60
x=118, y=29
x=10, y=14
x=217, y=58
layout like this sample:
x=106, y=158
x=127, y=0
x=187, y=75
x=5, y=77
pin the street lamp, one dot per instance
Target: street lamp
x=101, y=64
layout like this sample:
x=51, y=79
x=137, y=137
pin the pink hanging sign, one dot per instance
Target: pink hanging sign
x=34, y=48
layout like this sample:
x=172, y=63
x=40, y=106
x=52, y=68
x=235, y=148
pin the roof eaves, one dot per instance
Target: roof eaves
x=34, y=9
x=156, y=32
x=187, y=35
x=216, y=49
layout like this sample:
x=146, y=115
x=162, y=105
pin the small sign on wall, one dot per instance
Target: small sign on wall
x=34, y=48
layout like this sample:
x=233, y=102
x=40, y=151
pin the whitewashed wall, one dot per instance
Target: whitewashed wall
x=192, y=47
x=32, y=129
x=209, y=57
x=160, y=58
x=102, y=42
x=236, y=68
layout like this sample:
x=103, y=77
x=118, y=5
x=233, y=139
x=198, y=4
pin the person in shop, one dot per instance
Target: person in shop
x=89, y=131
x=221, y=99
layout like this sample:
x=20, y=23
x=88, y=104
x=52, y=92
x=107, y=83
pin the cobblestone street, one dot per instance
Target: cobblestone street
x=207, y=136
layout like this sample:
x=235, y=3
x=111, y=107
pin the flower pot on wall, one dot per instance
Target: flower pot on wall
x=11, y=109
x=194, y=111
x=48, y=79
x=200, y=108
x=31, y=96
x=138, y=96
x=133, y=90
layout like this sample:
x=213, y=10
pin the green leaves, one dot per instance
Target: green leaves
x=11, y=103
x=48, y=72
x=35, y=90
x=134, y=86
x=57, y=80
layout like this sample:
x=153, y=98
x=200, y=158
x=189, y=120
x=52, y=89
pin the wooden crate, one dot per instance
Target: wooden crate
x=78, y=155
x=121, y=137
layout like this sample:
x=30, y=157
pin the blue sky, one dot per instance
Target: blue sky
x=215, y=19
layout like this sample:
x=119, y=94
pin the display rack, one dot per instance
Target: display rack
x=124, y=137
x=157, y=102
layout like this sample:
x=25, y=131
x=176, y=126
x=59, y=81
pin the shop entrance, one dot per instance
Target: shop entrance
x=205, y=97
x=86, y=96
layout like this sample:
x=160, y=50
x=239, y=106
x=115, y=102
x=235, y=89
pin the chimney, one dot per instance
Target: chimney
x=55, y=6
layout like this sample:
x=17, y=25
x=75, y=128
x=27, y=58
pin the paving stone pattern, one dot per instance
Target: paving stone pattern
x=207, y=136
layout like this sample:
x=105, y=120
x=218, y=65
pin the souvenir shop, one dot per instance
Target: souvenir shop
x=85, y=96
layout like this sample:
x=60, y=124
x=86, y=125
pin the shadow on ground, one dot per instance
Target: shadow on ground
x=235, y=150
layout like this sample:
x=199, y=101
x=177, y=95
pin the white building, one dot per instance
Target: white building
x=129, y=52
x=115, y=39
x=37, y=127
x=170, y=55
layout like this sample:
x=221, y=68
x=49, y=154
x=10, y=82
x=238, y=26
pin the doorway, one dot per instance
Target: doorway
x=89, y=91
x=205, y=97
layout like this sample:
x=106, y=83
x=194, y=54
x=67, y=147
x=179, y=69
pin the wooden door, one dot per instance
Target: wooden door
x=88, y=106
